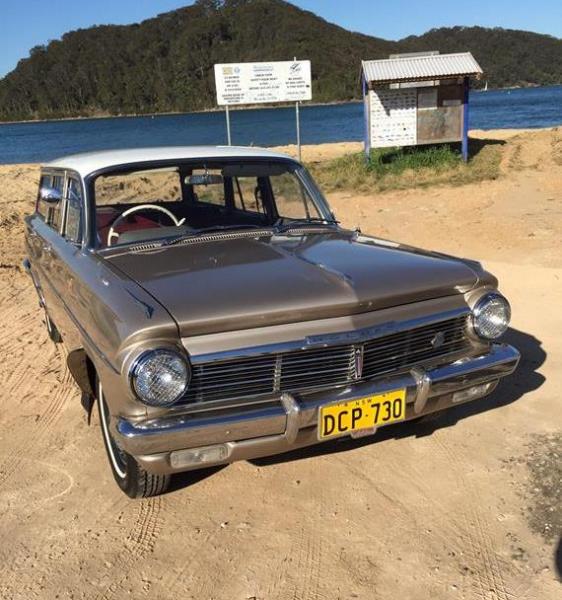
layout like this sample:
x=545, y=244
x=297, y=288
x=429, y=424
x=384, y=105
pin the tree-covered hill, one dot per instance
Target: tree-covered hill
x=508, y=57
x=166, y=63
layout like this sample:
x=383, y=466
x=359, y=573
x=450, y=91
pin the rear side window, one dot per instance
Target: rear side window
x=51, y=213
x=74, y=211
x=55, y=215
x=43, y=207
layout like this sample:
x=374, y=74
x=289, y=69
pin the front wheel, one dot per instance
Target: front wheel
x=129, y=475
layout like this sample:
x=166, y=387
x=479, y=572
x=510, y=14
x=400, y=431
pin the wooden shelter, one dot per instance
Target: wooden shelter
x=415, y=99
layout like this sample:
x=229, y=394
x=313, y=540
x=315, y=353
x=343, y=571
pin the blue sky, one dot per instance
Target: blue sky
x=27, y=23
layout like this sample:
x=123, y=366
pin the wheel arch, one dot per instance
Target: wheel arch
x=83, y=370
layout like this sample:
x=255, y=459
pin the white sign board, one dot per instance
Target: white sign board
x=258, y=83
x=393, y=117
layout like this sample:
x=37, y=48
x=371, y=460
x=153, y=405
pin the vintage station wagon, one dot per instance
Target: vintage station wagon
x=216, y=310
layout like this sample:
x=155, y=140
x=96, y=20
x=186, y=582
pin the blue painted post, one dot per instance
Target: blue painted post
x=367, y=137
x=466, y=84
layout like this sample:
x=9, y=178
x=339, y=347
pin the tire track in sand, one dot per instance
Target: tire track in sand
x=308, y=570
x=467, y=535
x=24, y=376
x=25, y=321
x=488, y=568
x=299, y=570
x=22, y=449
x=138, y=544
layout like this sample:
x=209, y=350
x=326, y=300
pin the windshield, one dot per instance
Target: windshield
x=156, y=203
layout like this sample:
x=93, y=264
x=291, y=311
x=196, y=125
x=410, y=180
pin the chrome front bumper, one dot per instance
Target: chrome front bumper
x=288, y=422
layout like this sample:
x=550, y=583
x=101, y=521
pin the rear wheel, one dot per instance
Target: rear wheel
x=129, y=475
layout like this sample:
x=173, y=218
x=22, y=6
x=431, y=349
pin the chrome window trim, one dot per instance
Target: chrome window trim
x=62, y=226
x=54, y=172
x=356, y=336
x=69, y=174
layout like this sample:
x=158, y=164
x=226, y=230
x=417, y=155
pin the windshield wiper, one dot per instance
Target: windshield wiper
x=280, y=228
x=197, y=232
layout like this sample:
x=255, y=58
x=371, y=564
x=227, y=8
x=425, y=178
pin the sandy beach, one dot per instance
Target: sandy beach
x=466, y=505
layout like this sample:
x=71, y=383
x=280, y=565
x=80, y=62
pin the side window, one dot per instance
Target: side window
x=248, y=194
x=74, y=203
x=42, y=208
x=211, y=193
x=55, y=212
x=291, y=199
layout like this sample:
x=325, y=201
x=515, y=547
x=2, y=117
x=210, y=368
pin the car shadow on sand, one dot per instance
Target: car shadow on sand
x=191, y=478
x=525, y=379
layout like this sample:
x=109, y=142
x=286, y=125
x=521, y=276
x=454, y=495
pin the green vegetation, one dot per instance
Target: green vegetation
x=395, y=161
x=407, y=168
x=165, y=64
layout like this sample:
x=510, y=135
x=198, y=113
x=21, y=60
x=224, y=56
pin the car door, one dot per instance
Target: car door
x=34, y=240
x=73, y=262
x=43, y=238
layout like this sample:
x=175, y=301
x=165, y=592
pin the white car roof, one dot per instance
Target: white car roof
x=89, y=162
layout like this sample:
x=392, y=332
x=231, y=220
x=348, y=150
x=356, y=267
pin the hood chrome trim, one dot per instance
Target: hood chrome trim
x=332, y=339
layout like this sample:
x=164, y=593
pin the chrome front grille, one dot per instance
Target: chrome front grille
x=412, y=347
x=318, y=368
x=309, y=368
x=232, y=379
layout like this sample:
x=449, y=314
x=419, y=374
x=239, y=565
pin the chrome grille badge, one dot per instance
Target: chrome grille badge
x=358, y=362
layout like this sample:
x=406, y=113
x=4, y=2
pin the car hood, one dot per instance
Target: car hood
x=230, y=284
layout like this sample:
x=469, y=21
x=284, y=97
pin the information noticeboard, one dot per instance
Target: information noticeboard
x=263, y=82
x=393, y=117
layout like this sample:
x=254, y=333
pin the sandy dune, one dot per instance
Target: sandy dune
x=455, y=508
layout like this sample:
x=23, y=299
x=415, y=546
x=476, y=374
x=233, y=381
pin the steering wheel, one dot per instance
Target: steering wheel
x=113, y=234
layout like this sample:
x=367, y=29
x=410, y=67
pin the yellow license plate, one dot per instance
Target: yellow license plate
x=370, y=412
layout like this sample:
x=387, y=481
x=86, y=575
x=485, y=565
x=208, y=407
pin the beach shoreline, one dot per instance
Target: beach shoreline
x=100, y=115
x=216, y=109
x=330, y=150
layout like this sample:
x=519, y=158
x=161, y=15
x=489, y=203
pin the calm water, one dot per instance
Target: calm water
x=34, y=142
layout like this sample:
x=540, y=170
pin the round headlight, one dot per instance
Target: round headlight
x=491, y=316
x=160, y=377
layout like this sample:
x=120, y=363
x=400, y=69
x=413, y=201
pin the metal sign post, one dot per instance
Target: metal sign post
x=228, y=135
x=297, y=111
x=298, y=116
x=464, y=141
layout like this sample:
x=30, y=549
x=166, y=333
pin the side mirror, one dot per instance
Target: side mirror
x=50, y=195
